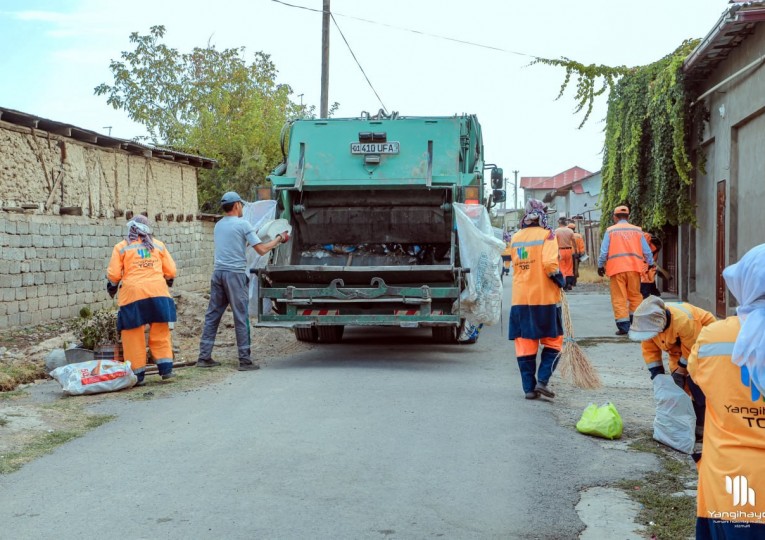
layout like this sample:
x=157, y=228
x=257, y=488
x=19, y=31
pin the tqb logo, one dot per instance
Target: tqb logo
x=738, y=486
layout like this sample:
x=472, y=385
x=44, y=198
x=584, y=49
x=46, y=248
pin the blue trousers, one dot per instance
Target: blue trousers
x=227, y=289
x=528, y=367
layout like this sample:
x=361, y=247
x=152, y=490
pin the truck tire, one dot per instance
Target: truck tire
x=331, y=334
x=309, y=334
x=444, y=334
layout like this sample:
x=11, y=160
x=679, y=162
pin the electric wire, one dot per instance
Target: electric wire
x=447, y=38
x=359, y=64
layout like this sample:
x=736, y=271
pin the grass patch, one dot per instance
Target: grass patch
x=592, y=341
x=14, y=372
x=589, y=274
x=672, y=517
x=12, y=394
x=45, y=443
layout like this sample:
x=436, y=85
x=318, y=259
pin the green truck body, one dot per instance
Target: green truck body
x=374, y=239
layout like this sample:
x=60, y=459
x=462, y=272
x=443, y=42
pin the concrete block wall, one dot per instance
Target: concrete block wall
x=51, y=266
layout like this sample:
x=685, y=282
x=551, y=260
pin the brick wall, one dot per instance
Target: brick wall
x=51, y=266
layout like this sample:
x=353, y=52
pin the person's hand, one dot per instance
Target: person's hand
x=558, y=279
x=658, y=370
x=679, y=377
x=169, y=282
x=111, y=289
x=284, y=237
x=601, y=271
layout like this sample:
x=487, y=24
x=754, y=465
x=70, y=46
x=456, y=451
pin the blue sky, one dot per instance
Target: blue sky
x=53, y=53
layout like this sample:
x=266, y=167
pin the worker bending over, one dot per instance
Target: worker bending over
x=672, y=328
x=566, y=247
x=648, y=275
x=622, y=255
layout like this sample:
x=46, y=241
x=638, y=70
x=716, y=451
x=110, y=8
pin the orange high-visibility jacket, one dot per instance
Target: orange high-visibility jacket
x=536, y=311
x=580, y=248
x=677, y=340
x=648, y=275
x=625, y=249
x=732, y=465
x=142, y=272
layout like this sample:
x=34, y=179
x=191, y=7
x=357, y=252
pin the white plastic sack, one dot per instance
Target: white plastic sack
x=257, y=213
x=481, y=251
x=675, y=422
x=94, y=377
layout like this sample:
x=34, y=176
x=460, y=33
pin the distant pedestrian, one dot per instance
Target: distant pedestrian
x=622, y=255
x=648, y=274
x=566, y=248
x=142, y=269
x=535, y=316
x=229, y=282
x=579, y=250
x=728, y=363
x=672, y=328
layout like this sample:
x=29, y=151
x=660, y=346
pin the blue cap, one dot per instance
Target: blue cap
x=230, y=197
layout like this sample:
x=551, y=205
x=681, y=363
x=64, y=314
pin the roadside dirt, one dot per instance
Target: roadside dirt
x=31, y=415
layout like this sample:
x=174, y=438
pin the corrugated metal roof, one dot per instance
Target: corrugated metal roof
x=567, y=177
x=84, y=135
x=734, y=26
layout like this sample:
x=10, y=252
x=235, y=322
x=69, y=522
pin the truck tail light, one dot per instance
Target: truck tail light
x=472, y=195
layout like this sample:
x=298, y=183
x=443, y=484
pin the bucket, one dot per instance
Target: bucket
x=109, y=351
x=77, y=355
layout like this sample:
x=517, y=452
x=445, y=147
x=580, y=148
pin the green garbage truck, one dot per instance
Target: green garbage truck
x=374, y=241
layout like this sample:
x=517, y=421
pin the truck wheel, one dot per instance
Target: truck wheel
x=331, y=334
x=309, y=334
x=444, y=334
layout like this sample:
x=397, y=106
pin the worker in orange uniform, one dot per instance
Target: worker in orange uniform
x=566, y=247
x=622, y=255
x=648, y=275
x=728, y=363
x=672, y=328
x=506, y=258
x=535, y=316
x=144, y=268
x=579, y=250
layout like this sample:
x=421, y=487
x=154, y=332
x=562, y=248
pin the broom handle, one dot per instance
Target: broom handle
x=568, y=327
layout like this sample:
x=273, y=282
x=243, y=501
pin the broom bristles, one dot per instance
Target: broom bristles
x=574, y=364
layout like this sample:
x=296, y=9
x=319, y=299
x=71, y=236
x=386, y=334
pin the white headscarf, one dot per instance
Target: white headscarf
x=746, y=280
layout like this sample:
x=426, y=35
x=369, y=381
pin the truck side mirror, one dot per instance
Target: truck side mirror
x=497, y=177
x=498, y=195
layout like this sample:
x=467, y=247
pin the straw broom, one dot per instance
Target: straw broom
x=574, y=364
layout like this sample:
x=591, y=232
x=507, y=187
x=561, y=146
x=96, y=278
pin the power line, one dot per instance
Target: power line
x=358, y=64
x=447, y=38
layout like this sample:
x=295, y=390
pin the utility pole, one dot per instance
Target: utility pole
x=515, y=193
x=325, y=60
x=504, y=203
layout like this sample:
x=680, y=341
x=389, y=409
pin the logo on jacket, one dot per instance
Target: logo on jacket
x=522, y=253
x=738, y=486
x=144, y=253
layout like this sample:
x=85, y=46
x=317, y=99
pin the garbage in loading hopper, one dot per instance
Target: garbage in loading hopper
x=258, y=214
x=413, y=254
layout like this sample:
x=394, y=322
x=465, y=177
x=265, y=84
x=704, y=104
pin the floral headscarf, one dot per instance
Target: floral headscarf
x=746, y=280
x=138, y=229
x=536, y=214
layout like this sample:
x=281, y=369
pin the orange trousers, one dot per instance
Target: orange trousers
x=566, y=263
x=528, y=347
x=134, y=345
x=625, y=295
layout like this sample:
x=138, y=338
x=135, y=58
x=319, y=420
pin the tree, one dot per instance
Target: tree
x=210, y=102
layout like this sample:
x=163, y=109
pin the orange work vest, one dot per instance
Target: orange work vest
x=535, y=258
x=648, y=275
x=625, y=249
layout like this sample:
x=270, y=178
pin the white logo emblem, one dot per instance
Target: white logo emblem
x=738, y=486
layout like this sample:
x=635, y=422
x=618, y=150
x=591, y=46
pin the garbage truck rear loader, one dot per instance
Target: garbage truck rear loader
x=373, y=243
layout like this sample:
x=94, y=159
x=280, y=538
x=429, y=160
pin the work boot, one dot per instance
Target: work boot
x=168, y=377
x=621, y=332
x=248, y=367
x=531, y=395
x=207, y=363
x=542, y=389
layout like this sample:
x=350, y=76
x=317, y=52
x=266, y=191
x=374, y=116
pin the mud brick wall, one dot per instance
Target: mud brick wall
x=64, y=204
x=51, y=266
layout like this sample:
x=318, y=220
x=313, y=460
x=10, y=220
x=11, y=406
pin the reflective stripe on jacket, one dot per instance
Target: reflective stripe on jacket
x=625, y=249
x=678, y=339
x=732, y=465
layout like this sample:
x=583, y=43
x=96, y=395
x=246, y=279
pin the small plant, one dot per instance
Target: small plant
x=97, y=328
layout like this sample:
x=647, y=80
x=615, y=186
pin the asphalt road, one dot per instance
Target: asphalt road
x=382, y=436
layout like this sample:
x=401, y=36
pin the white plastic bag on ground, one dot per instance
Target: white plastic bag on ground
x=675, y=422
x=481, y=251
x=94, y=377
x=257, y=213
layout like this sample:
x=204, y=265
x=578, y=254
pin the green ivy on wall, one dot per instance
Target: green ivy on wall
x=650, y=123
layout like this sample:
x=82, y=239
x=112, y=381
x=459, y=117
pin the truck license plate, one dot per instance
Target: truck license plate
x=375, y=148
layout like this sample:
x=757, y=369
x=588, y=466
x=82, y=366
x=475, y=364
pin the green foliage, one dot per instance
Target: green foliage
x=649, y=133
x=647, y=160
x=97, y=329
x=591, y=81
x=210, y=102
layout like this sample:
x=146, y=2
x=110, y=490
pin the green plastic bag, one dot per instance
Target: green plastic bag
x=603, y=421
